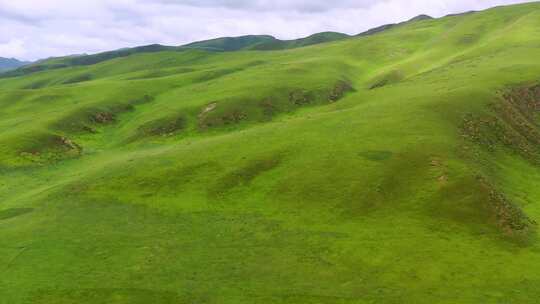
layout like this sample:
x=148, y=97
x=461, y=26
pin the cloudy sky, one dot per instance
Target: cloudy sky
x=33, y=29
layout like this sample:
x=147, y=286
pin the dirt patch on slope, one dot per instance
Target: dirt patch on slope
x=50, y=148
x=166, y=126
x=87, y=120
x=230, y=115
x=514, y=123
x=477, y=204
x=246, y=109
x=209, y=108
x=508, y=216
x=339, y=90
x=301, y=97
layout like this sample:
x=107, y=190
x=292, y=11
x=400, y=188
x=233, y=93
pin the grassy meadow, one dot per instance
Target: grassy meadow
x=402, y=167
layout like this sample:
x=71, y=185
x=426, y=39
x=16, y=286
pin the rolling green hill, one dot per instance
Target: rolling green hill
x=224, y=44
x=402, y=167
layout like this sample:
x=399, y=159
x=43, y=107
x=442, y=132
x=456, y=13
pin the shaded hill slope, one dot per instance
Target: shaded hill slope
x=385, y=27
x=228, y=44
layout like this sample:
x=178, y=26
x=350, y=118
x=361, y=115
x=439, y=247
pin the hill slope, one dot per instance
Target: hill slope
x=228, y=44
x=401, y=167
x=224, y=44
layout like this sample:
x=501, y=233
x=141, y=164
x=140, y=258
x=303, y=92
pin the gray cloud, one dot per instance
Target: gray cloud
x=307, y=6
x=31, y=29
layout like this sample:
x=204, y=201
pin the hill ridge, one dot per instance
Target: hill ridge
x=221, y=44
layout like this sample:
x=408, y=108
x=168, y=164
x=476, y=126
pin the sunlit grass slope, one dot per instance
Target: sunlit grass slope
x=396, y=168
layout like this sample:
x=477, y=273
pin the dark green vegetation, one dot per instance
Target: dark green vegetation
x=402, y=167
x=228, y=44
x=264, y=42
x=386, y=27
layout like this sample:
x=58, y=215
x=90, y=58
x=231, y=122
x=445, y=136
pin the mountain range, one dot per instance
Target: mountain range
x=223, y=44
x=7, y=64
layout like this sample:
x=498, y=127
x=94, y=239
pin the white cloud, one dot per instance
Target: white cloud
x=32, y=29
x=13, y=48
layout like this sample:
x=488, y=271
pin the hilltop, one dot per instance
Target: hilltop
x=397, y=167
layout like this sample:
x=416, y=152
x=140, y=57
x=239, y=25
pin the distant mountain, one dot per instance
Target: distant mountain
x=80, y=60
x=263, y=42
x=318, y=38
x=377, y=30
x=7, y=64
x=223, y=44
x=385, y=27
x=461, y=14
x=229, y=44
x=420, y=18
x=97, y=58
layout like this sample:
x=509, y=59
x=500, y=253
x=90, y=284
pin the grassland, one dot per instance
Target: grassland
x=401, y=167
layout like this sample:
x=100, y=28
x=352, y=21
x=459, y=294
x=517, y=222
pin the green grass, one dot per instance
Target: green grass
x=401, y=167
